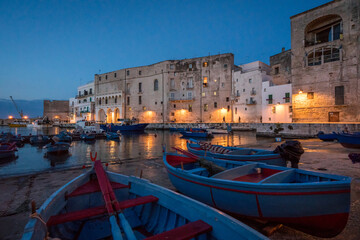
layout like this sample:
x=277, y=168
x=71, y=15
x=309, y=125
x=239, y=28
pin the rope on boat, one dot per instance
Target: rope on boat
x=38, y=217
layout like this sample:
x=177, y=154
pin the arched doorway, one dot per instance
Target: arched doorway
x=109, y=116
x=116, y=115
x=101, y=115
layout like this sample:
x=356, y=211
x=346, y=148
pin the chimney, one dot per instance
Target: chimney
x=282, y=49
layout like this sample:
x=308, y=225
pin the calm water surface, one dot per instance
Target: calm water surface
x=146, y=145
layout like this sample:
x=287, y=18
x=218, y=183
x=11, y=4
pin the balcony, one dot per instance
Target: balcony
x=251, y=102
x=83, y=95
x=181, y=99
x=189, y=86
x=253, y=92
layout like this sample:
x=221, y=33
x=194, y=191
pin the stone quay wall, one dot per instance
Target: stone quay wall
x=286, y=130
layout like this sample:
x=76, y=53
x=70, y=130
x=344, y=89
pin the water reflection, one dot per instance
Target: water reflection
x=131, y=147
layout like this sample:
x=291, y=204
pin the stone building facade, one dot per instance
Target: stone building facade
x=188, y=90
x=56, y=109
x=281, y=67
x=247, y=81
x=325, y=69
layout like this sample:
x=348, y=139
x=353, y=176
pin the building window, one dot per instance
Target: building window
x=203, y=94
x=99, y=78
x=106, y=101
x=139, y=100
x=190, y=66
x=225, y=65
x=139, y=72
x=276, y=70
x=172, y=114
x=99, y=101
x=155, y=103
x=144, y=108
x=270, y=99
x=106, y=76
x=171, y=66
x=215, y=104
x=243, y=89
x=290, y=109
x=190, y=108
x=322, y=55
x=114, y=100
x=287, y=97
x=174, y=105
x=127, y=72
x=156, y=85
x=250, y=80
x=227, y=99
x=90, y=91
x=215, y=93
x=237, y=93
x=222, y=84
x=228, y=109
x=339, y=95
x=128, y=100
x=190, y=83
x=90, y=99
x=264, y=89
x=205, y=107
x=235, y=110
x=140, y=87
x=310, y=95
x=205, y=64
x=172, y=96
x=205, y=82
x=172, y=83
x=189, y=94
x=273, y=109
x=114, y=75
x=130, y=108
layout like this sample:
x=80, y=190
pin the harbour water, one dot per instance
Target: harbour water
x=131, y=147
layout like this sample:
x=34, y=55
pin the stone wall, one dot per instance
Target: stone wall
x=281, y=67
x=56, y=109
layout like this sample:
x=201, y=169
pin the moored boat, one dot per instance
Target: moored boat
x=87, y=137
x=124, y=125
x=315, y=203
x=7, y=150
x=112, y=136
x=197, y=133
x=57, y=148
x=326, y=136
x=349, y=140
x=235, y=154
x=39, y=139
x=104, y=205
x=19, y=123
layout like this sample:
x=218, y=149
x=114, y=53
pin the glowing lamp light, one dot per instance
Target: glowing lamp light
x=26, y=117
x=300, y=91
x=10, y=117
x=223, y=110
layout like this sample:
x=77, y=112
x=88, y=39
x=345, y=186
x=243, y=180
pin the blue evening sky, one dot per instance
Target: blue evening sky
x=49, y=47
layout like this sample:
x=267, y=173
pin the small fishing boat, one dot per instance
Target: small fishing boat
x=64, y=137
x=326, y=136
x=349, y=140
x=315, y=203
x=197, y=133
x=87, y=137
x=200, y=148
x=103, y=205
x=124, y=125
x=57, y=148
x=7, y=150
x=39, y=140
x=19, y=123
x=112, y=136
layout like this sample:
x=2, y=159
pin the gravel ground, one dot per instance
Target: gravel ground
x=327, y=157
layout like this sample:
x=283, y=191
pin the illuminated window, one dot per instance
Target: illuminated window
x=273, y=109
x=205, y=107
x=310, y=95
x=205, y=64
x=215, y=93
x=144, y=108
x=190, y=108
x=203, y=94
x=205, y=82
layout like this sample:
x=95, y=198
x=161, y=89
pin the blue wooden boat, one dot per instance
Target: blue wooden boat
x=64, y=137
x=7, y=150
x=326, y=136
x=87, y=137
x=315, y=203
x=235, y=153
x=57, y=148
x=105, y=205
x=112, y=136
x=349, y=140
x=197, y=133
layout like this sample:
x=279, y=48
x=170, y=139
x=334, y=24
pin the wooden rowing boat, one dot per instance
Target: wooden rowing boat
x=104, y=205
x=315, y=203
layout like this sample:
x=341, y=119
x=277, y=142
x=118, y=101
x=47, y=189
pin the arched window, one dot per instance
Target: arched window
x=324, y=29
x=156, y=85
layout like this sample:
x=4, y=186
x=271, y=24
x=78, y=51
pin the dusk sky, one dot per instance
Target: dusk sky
x=48, y=48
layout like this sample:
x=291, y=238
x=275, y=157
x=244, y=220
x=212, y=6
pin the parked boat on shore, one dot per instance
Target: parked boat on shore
x=197, y=133
x=104, y=205
x=326, y=136
x=312, y=202
x=235, y=154
x=349, y=140
x=7, y=150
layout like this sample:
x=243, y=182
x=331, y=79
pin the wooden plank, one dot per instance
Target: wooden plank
x=186, y=231
x=92, y=187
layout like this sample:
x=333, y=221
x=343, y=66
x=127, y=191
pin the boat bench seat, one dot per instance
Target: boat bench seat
x=96, y=211
x=93, y=186
x=195, y=170
x=187, y=231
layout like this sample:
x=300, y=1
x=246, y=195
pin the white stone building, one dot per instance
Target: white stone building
x=276, y=103
x=84, y=106
x=247, y=82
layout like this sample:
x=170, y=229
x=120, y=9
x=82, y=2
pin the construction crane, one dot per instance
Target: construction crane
x=17, y=109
